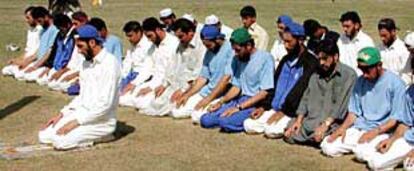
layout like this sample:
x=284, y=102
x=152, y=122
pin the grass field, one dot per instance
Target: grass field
x=164, y=143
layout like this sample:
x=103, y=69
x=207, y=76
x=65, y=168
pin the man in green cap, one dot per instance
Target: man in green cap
x=251, y=77
x=374, y=107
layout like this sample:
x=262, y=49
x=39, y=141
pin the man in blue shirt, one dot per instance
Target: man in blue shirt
x=250, y=85
x=32, y=67
x=218, y=56
x=392, y=151
x=111, y=42
x=61, y=51
x=291, y=80
x=374, y=107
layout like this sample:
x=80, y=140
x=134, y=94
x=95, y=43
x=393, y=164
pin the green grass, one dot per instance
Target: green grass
x=164, y=143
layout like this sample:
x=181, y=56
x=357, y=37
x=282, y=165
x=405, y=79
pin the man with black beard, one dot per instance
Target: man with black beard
x=90, y=117
x=325, y=101
x=291, y=80
x=393, y=51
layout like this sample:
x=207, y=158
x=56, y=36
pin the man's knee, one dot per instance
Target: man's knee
x=45, y=136
x=330, y=149
x=253, y=126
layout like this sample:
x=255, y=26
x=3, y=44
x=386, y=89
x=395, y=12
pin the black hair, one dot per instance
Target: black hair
x=151, y=24
x=311, y=26
x=387, y=23
x=98, y=23
x=29, y=9
x=132, y=26
x=184, y=25
x=40, y=12
x=327, y=46
x=61, y=20
x=248, y=11
x=350, y=15
x=80, y=16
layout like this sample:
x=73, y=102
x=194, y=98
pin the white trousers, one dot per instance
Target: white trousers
x=20, y=74
x=131, y=99
x=363, y=152
x=44, y=79
x=158, y=106
x=390, y=159
x=84, y=135
x=260, y=125
x=10, y=70
x=197, y=114
x=59, y=84
x=186, y=110
x=34, y=75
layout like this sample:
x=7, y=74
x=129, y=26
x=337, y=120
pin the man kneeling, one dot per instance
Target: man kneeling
x=90, y=117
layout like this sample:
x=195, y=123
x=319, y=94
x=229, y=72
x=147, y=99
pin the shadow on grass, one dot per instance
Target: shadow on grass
x=122, y=130
x=14, y=107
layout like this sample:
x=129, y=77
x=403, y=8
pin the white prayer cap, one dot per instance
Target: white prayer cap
x=188, y=17
x=166, y=12
x=409, y=39
x=212, y=19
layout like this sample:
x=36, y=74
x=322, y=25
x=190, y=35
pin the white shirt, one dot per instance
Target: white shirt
x=137, y=60
x=76, y=60
x=226, y=30
x=199, y=27
x=259, y=35
x=99, y=95
x=395, y=58
x=187, y=63
x=278, y=51
x=162, y=57
x=33, y=40
x=348, y=49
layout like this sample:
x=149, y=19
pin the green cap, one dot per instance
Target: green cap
x=240, y=36
x=369, y=56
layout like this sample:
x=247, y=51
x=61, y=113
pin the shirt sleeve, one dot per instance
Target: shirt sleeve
x=303, y=105
x=339, y=108
x=398, y=100
x=204, y=68
x=108, y=87
x=267, y=73
x=354, y=101
x=407, y=117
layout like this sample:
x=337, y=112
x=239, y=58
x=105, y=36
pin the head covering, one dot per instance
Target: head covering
x=188, y=17
x=369, y=56
x=284, y=19
x=240, y=36
x=88, y=32
x=295, y=29
x=212, y=20
x=210, y=32
x=409, y=39
x=166, y=12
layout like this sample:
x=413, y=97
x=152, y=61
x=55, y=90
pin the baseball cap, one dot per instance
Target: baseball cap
x=369, y=56
x=210, y=32
x=212, y=20
x=295, y=29
x=88, y=31
x=409, y=40
x=240, y=36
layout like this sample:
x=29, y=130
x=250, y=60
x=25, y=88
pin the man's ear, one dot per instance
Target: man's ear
x=92, y=43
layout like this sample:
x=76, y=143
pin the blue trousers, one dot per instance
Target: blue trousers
x=233, y=123
x=125, y=81
x=73, y=90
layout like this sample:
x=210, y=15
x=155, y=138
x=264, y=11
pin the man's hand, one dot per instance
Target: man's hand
x=52, y=121
x=340, y=132
x=319, y=133
x=30, y=69
x=182, y=101
x=275, y=117
x=214, y=107
x=56, y=75
x=294, y=129
x=409, y=161
x=71, y=125
x=202, y=104
x=368, y=136
x=229, y=112
x=129, y=87
x=257, y=113
x=144, y=91
x=176, y=96
x=159, y=90
x=385, y=145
